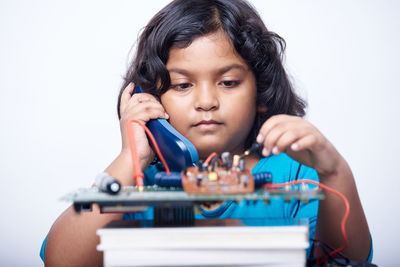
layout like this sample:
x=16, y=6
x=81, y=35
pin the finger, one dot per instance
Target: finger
x=286, y=140
x=142, y=98
x=274, y=134
x=303, y=143
x=153, y=110
x=126, y=96
x=271, y=123
x=272, y=137
x=144, y=111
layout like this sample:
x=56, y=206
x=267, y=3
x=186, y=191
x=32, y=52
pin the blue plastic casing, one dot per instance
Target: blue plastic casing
x=179, y=153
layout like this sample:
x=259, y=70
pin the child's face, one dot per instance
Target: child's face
x=212, y=98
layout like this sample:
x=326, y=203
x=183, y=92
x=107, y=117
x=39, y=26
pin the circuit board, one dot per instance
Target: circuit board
x=218, y=181
x=131, y=199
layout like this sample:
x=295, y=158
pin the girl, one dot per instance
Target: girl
x=214, y=71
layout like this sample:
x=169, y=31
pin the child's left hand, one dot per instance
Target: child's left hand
x=301, y=141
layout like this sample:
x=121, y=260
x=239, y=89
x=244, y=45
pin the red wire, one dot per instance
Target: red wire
x=209, y=158
x=137, y=170
x=345, y=216
x=154, y=142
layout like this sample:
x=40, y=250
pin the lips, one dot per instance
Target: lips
x=207, y=124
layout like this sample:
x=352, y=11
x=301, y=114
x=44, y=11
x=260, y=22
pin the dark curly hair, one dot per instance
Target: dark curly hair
x=182, y=21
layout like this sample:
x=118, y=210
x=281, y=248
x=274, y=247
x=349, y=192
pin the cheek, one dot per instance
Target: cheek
x=242, y=115
x=176, y=112
x=167, y=102
x=242, y=107
x=177, y=120
x=243, y=119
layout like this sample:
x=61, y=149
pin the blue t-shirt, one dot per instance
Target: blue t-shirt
x=283, y=169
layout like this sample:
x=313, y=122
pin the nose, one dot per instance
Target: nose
x=206, y=98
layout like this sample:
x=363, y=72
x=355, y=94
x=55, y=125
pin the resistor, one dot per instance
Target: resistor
x=236, y=159
x=241, y=164
x=245, y=180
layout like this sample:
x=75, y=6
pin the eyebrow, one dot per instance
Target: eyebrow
x=219, y=71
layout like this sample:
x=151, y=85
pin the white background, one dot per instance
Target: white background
x=61, y=66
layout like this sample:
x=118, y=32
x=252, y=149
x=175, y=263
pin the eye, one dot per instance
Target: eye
x=180, y=87
x=229, y=84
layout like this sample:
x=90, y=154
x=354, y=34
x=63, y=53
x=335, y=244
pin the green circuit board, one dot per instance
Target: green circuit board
x=130, y=199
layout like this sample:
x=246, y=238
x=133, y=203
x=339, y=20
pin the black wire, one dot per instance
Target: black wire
x=325, y=248
x=298, y=202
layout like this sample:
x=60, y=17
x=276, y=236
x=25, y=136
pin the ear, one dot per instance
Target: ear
x=262, y=109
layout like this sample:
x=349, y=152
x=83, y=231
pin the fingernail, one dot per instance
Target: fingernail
x=294, y=146
x=259, y=138
x=166, y=115
x=275, y=150
x=265, y=152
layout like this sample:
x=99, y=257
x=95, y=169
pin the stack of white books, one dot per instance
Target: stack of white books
x=226, y=242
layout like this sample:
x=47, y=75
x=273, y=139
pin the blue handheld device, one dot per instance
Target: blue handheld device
x=179, y=153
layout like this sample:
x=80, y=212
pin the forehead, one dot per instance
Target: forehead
x=205, y=52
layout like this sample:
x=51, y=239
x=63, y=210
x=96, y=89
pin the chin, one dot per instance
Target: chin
x=204, y=154
x=206, y=146
x=205, y=151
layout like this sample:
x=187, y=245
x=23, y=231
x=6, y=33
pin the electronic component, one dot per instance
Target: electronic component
x=215, y=176
x=130, y=199
x=262, y=178
x=226, y=160
x=107, y=183
x=164, y=180
x=219, y=181
x=255, y=148
x=225, y=176
x=236, y=159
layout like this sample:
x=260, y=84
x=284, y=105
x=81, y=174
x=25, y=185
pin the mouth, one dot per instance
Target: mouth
x=207, y=124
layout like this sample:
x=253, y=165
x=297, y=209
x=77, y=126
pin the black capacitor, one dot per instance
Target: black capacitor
x=226, y=160
x=162, y=179
x=107, y=183
x=203, y=167
x=256, y=148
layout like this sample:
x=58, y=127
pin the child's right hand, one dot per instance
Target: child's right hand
x=142, y=107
